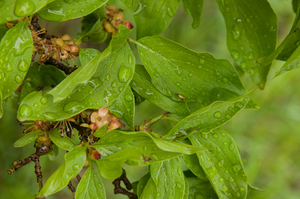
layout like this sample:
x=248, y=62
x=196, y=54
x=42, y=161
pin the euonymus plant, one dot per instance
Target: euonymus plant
x=88, y=110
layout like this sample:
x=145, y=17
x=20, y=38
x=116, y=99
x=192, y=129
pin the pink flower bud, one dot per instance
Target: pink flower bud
x=102, y=111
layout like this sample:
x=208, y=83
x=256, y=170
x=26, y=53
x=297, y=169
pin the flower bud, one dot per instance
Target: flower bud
x=66, y=37
x=108, y=27
x=114, y=125
x=66, y=48
x=113, y=8
x=59, y=42
x=119, y=16
x=94, y=154
x=128, y=24
x=86, y=163
x=63, y=55
x=74, y=50
x=93, y=117
x=103, y=111
x=94, y=127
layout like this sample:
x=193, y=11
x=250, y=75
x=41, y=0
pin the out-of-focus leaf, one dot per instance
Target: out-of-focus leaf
x=209, y=117
x=150, y=190
x=192, y=163
x=16, y=9
x=90, y=186
x=112, y=76
x=222, y=164
x=43, y=76
x=54, y=153
x=63, y=10
x=153, y=17
x=28, y=138
x=296, y=5
x=176, y=70
x=64, y=142
x=3, y=30
x=251, y=34
x=74, y=161
x=124, y=107
x=86, y=54
x=141, y=83
x=92, y=27
x=193, y=8
x=1, y=105
x=169, y=178
x=201, y=189
x=15, y=59
x=142, y=184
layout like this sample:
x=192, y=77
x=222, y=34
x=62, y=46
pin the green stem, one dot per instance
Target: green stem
x=133, y=41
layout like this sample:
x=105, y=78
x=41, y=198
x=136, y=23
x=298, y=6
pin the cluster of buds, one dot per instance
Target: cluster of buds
x=114, y=19
x=52, y=47
x=102, y=117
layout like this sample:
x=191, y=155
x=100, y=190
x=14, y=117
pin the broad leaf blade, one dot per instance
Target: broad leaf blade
x=16, y=9
x=192, y=163
x=3, y=30
x=15, y=59
x=124, y=107
x=141, y=83
x=74, y=161
x=64, y=142
x=251, y=34
x=153, y=17
x=209, y=117
x=90, y=186
x=142, y=184
x=86, y=54
x=194, y=8
x=222, y=163
x=28, y=138
x=63, y=10
x=169, y=178
x=201, y=189
x=176, y=70
x=150, y=190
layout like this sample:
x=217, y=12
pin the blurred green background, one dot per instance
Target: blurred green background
x=269, y=138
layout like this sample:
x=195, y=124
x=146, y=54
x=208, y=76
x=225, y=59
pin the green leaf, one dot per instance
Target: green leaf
x=40, y=76
x=291, y=64
x=16, y=9
x=1, y=106
x=64, y=10
x=150, y=190
x=3, y=30
x=153, y=17
x=112, y=76
x=209, y=117
x=253, y=188
x=296, y=5
x=141, y=84
x=92, y=27
x=201, y=189
x=192, y=163
x=86, y=54
x=90, y=186
x=28, y=138
x=176, y=70
x=74, y=161
x=251, y=34
x=222, y=164
x=124, y=107
x=187, y=189
x=15, y=58
x=64, y=142
x=193, y=8
x=101, y=131
x=169, y=178
x=54, y=153
x=142, y=184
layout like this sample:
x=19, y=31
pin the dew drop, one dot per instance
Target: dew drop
x=225, y=80
x=23, y=65
x=231, y=146
x=25, y=111
x=202, y=61
x=18, y=79
x=218, y=114
x=128, y=98
x=44, y=100
x=107, y=77
x=73, y=106
x=221, y=163
x=124, y=74
x=238, y=105
x=216, y=136
x=237, y=168
x=133, y=83
x=235, y=55
x=50, y=116
x=75, y=167
x=9, y=67
x=235, y=32
x=231, y=180
x=170, y=12
x=129, y=59
x=24, y=8
x=221, y=180
x=114, y=84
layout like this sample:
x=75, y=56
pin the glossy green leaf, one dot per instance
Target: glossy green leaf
x=193, y=8
x=150, y=190
x=64, y=142
x=112, y=76
x=86, y=54
x=44, y=76
x=153, y=17
x=142, y=184
x=74, y=161
x=222, y=163
x=150, y=149
x=90, y=186
x=28, y=138
x=3, y=30
x=124, y=107
x=92, y=27
x=176, y=70
x=15, y=57
x=296, y=5
x=111, y=167
x=101, y=131
x=292, y=63
x=209, y=117
x=201, y=189
x=251, y=34
x=16, y=9
x=169, y=179
x=141, y=83
x=192, y=163
x=63, y=10
x=186, y=191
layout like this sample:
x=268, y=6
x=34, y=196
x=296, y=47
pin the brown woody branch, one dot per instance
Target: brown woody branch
x=119, y=190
